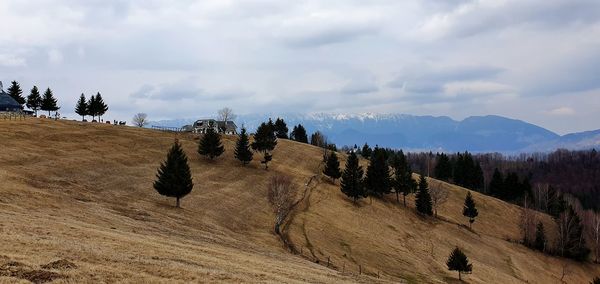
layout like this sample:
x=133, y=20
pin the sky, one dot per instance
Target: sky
x=535, y=60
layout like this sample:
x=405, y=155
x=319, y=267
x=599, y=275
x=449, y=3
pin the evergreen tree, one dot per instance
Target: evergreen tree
x=299, y=134
x=210, y=144
x=512, y=187
x=571, y=241
x=366, y=151
x=34, y=100
x=540, y=237
x=281, y=129
x=81, y=107
x=15, y=92
x=242, y=148
x=423, y=199
x=265, y=142
x=332, y=167
x=49, y=103
x=458, y=261
x=469, y=209
x=556, y=203
x=101, y=107
x=377, y=180
x=352, y=179
x=92, y=107
x=443, y=167
x=497, y=184
x=402, y=181
x=174, y=178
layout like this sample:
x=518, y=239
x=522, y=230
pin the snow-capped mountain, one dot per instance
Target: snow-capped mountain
x=478, y=133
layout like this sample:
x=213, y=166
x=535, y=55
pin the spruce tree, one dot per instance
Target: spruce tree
x=101, y=107
x=540, y=237
x=423, y=199
x=34, y=100
x=174, y=178
x=571, y=241
x=443, y=167
x=366, y=151
x=49, y=103
x=351, y=183
x=281, y=129
x=299, y=134
x=556, y=203
x=265, y=142
x=210, y=144
x=92, y=107
x=15, y=92
x=497, y=184
x=377, y=180
x=242, y=148
x=402, y=181
x=81, y=107
x=469, y=209
x=458, y=261
x=332, y=167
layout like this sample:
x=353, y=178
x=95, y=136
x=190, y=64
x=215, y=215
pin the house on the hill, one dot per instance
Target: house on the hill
x=7, y=103
x=219, y=126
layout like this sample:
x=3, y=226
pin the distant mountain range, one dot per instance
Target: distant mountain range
x=476, y=134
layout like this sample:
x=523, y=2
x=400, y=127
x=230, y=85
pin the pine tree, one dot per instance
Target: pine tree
x=210, y=144
x=556, y=203
x=92, y=107
x=469, y=209
x=34, y=100
x=81, y=107
x=423, y=199
x=377, y=180
x=352, y=179
x=49, y=103
x=332, y=167
x=265, y=142
x=366, y=151
x=458, y=261
x=174, y=178
x=281, y=129
x=402, y=181
x=540, y=237
x=299, y=134
x=101, y=107
x=497, y=184
x=242, y=148
x=443, y=167
x=15, y=92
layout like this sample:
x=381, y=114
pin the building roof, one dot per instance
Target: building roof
x=7, y=102
x=227, y=125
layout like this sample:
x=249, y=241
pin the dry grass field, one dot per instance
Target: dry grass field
x=77, y=206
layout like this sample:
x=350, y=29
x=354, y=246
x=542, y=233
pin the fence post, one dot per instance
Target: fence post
x=359, y=269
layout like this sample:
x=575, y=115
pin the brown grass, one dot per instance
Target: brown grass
x=80, y=195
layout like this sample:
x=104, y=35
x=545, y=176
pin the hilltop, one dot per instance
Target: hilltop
x=77, y=205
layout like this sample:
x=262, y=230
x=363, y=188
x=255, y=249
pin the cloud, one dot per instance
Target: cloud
x=562, y=111
x=11, y=60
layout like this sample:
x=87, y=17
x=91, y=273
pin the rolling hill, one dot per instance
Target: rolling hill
x=77, y=205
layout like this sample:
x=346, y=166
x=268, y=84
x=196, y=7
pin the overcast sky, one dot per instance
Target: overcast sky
x=536, y=60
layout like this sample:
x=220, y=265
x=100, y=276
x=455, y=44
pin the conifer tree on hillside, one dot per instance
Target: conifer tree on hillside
x=15, y=92
x=242, y=148
x=402, y=181
x=49, y=103
x=366, y=151
x=352, y=179
x=299, y=134
x=34, y=100
x=423, y=199
x=281, y=129
x=497, y=184
x=332, y=167
x=174, y=178
x=377, y=180
x=458, y=261
x=556, y=203
x=210, y=144
x=469, y=209
x=571, y=241
x=540, y=237
x=92, y=107
x=101, y=108
x=81, y=107
x=265, y=142
x=443, y=167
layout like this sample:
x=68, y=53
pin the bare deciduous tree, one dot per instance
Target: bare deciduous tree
x=527, y=223
x=592, y=230
x=439, y=196
x=226, y=114
x=140, y=120
x=281, y=193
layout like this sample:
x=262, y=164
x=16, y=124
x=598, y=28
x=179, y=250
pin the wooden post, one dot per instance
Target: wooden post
x=328, y=261
x=359, y=269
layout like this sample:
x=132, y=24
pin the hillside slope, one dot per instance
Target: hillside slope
x=82, y=193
